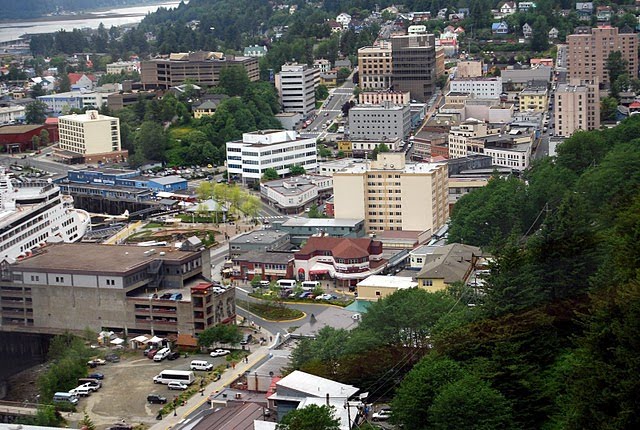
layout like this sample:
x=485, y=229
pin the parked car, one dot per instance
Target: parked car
x=306, y=295
x=173, y=355
x=326, y=297
x=219, y=352
x=112, y=358
x=149, y=348
x=96, y=375
x=156, y=398
x=175, y=385
x=151, y=353
x=96, y=362
x=382, y=415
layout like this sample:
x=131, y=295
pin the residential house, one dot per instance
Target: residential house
x=525, y=6
x=81, y=81
x=527, y=31
x=584, y=11
x=553, y=33
x=604, y=13
x=500, y=28
x=206, y=108
x=508, y=8
x=446, y=265
x=255, y=51
x=376, y=287
x=344, y=19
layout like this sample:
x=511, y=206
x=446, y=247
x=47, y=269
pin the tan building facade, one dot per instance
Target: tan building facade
x=375, y=67
x=390, y=194
x=589, y=49
x=469, y=69
x=379, y=97
x=459, y=136
x=577, y=107
x=89, y=133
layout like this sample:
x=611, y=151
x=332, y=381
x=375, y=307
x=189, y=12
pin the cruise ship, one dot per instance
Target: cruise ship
x=33, y=214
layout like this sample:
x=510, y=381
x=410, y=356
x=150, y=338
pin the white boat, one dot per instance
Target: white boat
x=33, y=214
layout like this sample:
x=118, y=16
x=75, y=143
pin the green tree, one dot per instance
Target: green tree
x=616, y=66
x=36, y=112
x=151, y=142
x=342, y=74
x=64, y=85
x=44, y=137
x=255, y=281
x=35, y=142
x=234, y=80
x=86, y=422
x=297, y=170
x=37, y=91
x=322, y=92
x=269, y=174
x=608, y=108
x=419, y=389
x=311, y=417
x=470, y=403
x=220, y=333
x=540, y=36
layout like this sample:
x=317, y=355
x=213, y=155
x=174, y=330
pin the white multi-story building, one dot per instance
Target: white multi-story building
x=62, y=103
x=296, y=84
x=460, y=135
x=482, y=88
x=10, y=114
x=384, y=121
x=290, y=195
x=123, y=66
x=89, y=133
x=264, y=149
x=391, y=194
x=344, y=19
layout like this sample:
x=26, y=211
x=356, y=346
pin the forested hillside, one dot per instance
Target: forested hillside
x=551, y=341
x=34, y=8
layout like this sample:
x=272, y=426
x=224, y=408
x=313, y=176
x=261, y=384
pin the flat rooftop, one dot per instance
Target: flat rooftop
x=321, y=222
x=261, y=235
x=396, y=282
x=92, y=257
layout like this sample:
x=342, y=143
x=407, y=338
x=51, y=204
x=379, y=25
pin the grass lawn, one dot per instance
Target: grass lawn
x=270, y=311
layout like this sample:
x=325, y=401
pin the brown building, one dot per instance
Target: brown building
x=126, y=288
x=20, y=137
x=589, y=49
x=414, y=65
x=374, y=67
x=577, y=107
x=201, y=68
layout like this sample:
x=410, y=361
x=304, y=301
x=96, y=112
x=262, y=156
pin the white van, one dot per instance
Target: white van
x=265, y=284
x=201, y=365
x=286, y=283
x=81, y=391
x=162, y=354
x=310, y=285
x=64, y=397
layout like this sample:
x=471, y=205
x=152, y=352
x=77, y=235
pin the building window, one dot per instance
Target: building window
x=428, y=283
x=378, y=293
x=59, y=278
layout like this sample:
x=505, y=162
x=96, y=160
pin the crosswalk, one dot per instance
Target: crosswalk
x=271, y=217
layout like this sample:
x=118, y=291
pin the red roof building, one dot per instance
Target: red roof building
x=345, y=260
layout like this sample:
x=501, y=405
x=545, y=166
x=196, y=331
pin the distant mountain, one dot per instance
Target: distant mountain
x=26, y=9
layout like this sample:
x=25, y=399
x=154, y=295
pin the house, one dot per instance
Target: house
x=344, y=19
x=448, y=264
x=335, y=26
x=508, y=8
x=603, y=13
x=376, y=287
x=81, y=81
x=553, y=33
x=527, y=31
x=525, y=6
x=255, y=51
x=500, y=28
x=584, y=11
x=442, y=14
x=207, y=108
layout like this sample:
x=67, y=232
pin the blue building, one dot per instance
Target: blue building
x=170, y=184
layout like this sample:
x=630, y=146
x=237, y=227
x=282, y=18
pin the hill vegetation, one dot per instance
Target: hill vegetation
x=551, y=341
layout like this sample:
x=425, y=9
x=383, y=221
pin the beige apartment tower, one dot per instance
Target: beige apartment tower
x=374, y=67
x=577, y=107
x=89, y=133
x=589, y=49
x=390, y=194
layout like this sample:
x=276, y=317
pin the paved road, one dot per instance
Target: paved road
x=330, y=110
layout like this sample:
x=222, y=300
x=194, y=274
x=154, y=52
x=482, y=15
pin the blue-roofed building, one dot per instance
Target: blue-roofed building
x=168, y=183
x=500, y=28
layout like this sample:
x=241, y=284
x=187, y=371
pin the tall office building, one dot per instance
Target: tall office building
x=414, y=65
x=375, y=67
x=589, y=49
x=577, y=107
x=201, y=68
x=89, y=133
x=296, y=84
x=390, y=194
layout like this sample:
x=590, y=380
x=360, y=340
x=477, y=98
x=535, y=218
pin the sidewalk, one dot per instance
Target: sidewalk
x=227, y=378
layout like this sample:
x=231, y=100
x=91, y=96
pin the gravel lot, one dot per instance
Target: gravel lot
x=125, y=387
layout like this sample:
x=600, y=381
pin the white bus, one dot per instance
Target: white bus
x=286, y=283
x=166, y=376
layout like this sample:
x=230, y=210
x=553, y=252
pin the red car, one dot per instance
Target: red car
x=151, y=353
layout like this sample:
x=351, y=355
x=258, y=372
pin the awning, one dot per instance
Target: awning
x=117, y=341
x=319, y=272
x=142, y=338
x=155, y=339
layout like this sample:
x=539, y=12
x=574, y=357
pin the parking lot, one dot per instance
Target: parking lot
x=125, y=387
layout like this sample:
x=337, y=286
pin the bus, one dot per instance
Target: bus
x=286, y=283
x=166, y=376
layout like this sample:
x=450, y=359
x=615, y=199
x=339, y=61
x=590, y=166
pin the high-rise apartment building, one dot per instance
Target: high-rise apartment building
x=414, y=67
x=577, y=107
x=390, y=194
x=375, y=67
x=201, y=68
x=589, y=49
x=89, y=133
x=296, y=84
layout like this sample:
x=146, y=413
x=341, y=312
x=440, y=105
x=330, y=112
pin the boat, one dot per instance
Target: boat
x=34, y=213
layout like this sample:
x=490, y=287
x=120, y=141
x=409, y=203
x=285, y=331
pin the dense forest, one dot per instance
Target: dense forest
x=29, y=9
x=551, y=341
